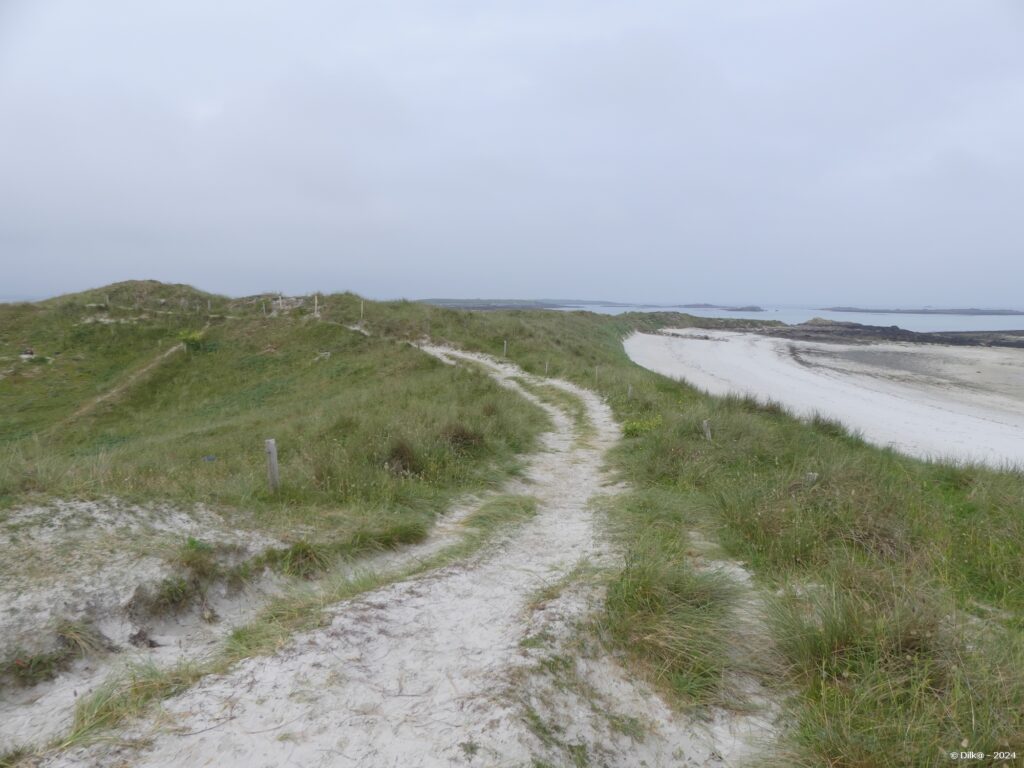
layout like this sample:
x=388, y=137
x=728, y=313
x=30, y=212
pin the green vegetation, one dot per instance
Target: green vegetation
x=566, y=401
x=127, y=696
x=374, y=436
x=896, y=586
x=198, y=558
x=901, y=626
x=71, y=640
x=301, y=609
x=499, y=513
x=13, y=757
x=673, y=620
x=31, y=668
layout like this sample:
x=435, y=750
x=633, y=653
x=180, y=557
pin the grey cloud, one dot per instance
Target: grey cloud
x=794, y=151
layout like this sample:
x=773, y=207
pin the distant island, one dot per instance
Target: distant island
x=969, y=311
x=491, y=304
x=572, y=303
x=745, y=308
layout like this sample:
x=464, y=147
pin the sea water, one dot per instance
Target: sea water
x=793, y=315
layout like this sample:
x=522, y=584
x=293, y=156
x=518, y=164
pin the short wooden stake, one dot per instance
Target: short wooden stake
x=629, y=391
x=316, y=305
x=706, y=426
x=361, y=303
x=505, y=353
x=546, y=367
x=273, y=475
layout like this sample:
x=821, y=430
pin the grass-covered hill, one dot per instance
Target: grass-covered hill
x=155, y=392
x=894, y=587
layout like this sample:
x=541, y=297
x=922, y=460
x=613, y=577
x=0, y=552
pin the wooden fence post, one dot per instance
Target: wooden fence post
x=629, y=391
x=505, y=353
x=273, y=475
x=706, y=426
x=546, y=367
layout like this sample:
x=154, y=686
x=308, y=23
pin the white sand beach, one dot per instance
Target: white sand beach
x=932, y=401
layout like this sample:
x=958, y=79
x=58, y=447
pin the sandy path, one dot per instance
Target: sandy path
x=128, y=382
x=929, y=401
x=422, y=672
x=97, y=585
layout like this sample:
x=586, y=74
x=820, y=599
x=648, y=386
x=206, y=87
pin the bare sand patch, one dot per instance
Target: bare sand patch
x=83, y=561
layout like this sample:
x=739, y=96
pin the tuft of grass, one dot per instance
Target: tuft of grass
x=29, y=668
x=500, y=512
x=671, y=620
x=81, y=639
x=198, y=559
x=127, y=696
x=169, y=596
x=72, y=640
x=302, y=559
x=280, y=619
x=14, y=758
x=308, y=559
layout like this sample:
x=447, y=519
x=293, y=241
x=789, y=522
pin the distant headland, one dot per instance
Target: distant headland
x=574, y=304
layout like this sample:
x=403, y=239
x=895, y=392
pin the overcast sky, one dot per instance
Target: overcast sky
x=775, y=151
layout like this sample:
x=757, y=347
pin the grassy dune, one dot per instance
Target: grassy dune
x=894, y=586
x=897, y=585
x=373, y=435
